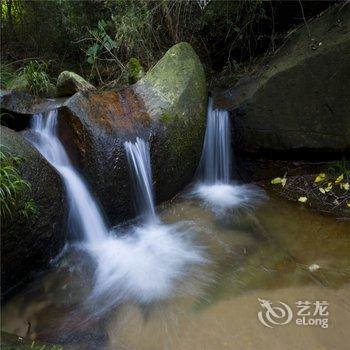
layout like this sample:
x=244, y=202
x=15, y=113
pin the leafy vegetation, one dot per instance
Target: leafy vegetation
x=12, y=187
x=341, y=167
x=97, y=39
x=32, y=77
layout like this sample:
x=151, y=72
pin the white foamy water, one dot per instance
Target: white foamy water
x=151, y=260
x=147, y=264
x=221, y=197
x=216, y=189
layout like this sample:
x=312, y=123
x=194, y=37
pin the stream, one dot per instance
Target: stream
x=195, y=272
x=265, y=253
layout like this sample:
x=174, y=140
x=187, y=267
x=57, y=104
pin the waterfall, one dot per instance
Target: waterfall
x=145, y=263
x=140, y=165
x=85, y=214
x=216, y=188
x=216, y=156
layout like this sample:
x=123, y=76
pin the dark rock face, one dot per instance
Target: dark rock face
x=93, y=127
x=299, y=101
x=166, y=107
x=28, y=244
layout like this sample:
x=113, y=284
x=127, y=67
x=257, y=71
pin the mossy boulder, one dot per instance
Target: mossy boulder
x=68, y=83
x=175, y=96
x=28, y=243
x=167, y=107
x=297, y=100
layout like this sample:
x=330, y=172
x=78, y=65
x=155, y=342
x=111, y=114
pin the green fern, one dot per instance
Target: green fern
x=12, y=186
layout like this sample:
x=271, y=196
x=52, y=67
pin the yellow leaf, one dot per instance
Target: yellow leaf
x=345, y=186
x=279, y=180
x=322, y=190
x=302, y=199
x=348, y=204
x=320, y=177
x=276, y=180
x=339, y=179
x=329, y=187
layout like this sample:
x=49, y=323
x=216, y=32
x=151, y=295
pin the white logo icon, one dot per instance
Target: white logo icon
x=274, y=315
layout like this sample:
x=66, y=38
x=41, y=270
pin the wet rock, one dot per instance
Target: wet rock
x=167, y=107
x=17, y=107
x=298, y=100
x=29, y=243
x=68, y=83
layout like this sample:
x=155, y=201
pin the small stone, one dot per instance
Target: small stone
x=313, y=267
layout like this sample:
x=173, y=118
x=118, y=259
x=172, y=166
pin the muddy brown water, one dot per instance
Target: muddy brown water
x=280, y=252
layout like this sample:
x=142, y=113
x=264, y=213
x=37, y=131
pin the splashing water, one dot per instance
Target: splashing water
x=216, y=189
x=145, y=264
x=153, y=258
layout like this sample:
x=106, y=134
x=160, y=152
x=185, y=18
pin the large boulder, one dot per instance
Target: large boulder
x=68, y=83
x=299, y=100
x=29, y=241
x=167, y=107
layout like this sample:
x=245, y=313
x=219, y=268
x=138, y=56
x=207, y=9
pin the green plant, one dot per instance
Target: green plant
x=37, y=78
x=12, y=187
x=341, y=167
x=7, y=73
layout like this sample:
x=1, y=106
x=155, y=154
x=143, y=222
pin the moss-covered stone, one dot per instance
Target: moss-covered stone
x=174, y=93
x=68, y=83
x=167, y=107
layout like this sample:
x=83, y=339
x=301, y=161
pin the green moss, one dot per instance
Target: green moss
x=165, y=118
x=175, y=85
x=135, y=70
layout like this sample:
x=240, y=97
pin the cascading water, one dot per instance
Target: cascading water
x=144, y=264
x=140, y=163
x=152, y=258
x=216, y=156
x=216, y=188
x=85, y=214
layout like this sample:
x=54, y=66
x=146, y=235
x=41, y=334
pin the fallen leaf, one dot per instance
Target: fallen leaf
x=339, y=179
x=320, y=177
x=329, y=187
x=335, y=202
x=348, y=204
x=276, y=180
x=302, y=199
x=345, y=186
x=322, y=190
x=279, y=180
